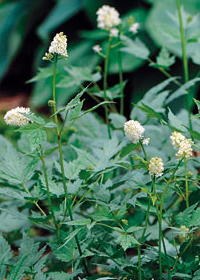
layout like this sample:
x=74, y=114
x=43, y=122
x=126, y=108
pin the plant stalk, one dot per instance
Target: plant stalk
x=62, y=163
x=121, y=76
x=186, y=184
x=48, y=193
x=184, y=58
x=105, y=84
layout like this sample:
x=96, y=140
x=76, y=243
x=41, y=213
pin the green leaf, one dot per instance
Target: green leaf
x=174, y=121
x=60, y=13
x=71, y=236
x=117, y=120
x=12, y=31
x=18, y=271
x=36, y=137
x=135, y=47
x=42, y=74
x=163, y=25
x=94, y=108
x=126, y=241
x=164, y=59
x=16, y=168
x=149, y=111
x=197, y=103
x=5, y=256
x=83, y=222
x=183, y=90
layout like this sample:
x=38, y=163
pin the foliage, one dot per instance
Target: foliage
x=77, y=200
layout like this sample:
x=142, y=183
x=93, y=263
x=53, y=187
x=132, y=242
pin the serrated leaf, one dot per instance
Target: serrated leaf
x=36, y=137
x=126, y=241
x=164, y=59
x=149, y=111
x=135, y=47
x=43, y=73
x=15, y=167
x=183, y=90
x=5, y=256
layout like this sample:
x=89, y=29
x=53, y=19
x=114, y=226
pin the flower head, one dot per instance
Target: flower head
x=185, y=149
x=97, y=48
x=15, y=118
x=156, y=167
x=107, y=17
x=114, y=32
x=134, y=131
x=176, y=139
x=134, y=27
x=59, y=45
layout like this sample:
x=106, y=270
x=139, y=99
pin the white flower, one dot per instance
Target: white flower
x=176, y=139
x=185, y=149
x=107, y=17
x=146, y=141
x=134, y=27
x=156, y=167
x=114, y=32
x=59, y=45
x=134, y=130
x=97, y=48
x=14, y=116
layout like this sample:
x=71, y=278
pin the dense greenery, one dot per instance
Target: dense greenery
x=77, y=200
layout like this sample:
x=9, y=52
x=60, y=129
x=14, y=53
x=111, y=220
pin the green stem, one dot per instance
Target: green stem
x=48, y=193
x=143, y=149
x=141, y=241
x=105, y=84
x=62, y=164
x=186, y=184
x=121, y=77
x=184, y=58
x=87, y=192
x=160, y=229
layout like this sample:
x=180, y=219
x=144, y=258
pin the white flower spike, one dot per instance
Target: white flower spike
x=176, y=139
x=185, y=149
x=107, y=17
x=15, y=118
x=156, y=167
x=134, y=131
x=59, y=45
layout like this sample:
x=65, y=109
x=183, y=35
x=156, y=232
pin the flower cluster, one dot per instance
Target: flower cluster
x=176, y=139
x=107, y=17
x=156, y=167
x=14, y=117
x=184, y=145
x=58, y=46
x=134, y=131
x=134, y=27
x=185, y=149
